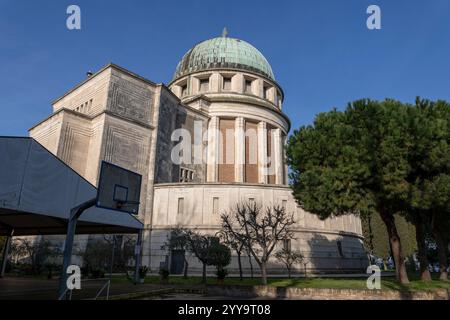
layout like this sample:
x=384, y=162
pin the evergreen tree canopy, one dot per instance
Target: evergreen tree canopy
x=376, y=157
x=352, y=161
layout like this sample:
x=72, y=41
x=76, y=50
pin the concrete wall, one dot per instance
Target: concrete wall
x=317, y=240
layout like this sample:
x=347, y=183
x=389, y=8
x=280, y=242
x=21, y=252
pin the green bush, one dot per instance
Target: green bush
x=221, y=273
x=164, y=273
x=143, y=272
x=97, y=273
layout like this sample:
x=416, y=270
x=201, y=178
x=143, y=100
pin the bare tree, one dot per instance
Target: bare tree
x=259, y=229
x=305, y=263
x=39, y=252
x=250, y=263
x=289, y=258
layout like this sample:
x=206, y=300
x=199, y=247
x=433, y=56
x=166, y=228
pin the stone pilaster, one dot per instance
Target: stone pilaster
x=278, y=155
x=213, y=149
x=262, y=152
x=237, y=83
x=239, y=153
x=286, y=167
x=215, y=82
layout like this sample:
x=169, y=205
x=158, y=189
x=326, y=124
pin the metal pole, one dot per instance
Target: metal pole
x=75, y=213
x=6, y=253
x=138, y=257
x=112, y=257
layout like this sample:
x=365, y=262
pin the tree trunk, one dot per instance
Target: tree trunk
x=240, y=265
x=394, y=240
x=186, y=266
x=289, y=272
x=370, y=237
x=422, y=250
x=251, y=265
x=204, y=274
x=442, y=255
x=263, y=273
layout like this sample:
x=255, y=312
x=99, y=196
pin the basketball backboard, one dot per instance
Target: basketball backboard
x=118, y=189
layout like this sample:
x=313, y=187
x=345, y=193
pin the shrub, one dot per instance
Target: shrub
x=143, y=272
x=97, y=273
x=221, y=273
x=164, y=273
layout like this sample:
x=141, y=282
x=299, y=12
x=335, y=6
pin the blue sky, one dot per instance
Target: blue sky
x=320, y=50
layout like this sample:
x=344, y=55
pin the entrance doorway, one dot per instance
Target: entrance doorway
x=177, y=262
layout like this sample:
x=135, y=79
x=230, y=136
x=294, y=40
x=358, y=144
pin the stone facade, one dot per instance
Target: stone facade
x=270, y=292
x=123, y=118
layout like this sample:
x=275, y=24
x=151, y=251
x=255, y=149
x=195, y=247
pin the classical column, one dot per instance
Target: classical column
x=262, y=152
x=239, y=153
x=286, y=167
x=213, y=149
x=278, y=155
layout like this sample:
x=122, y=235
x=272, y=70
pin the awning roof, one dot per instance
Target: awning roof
x=37, y=192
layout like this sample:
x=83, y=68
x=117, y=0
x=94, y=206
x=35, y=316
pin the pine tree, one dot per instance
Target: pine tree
x=355, y=162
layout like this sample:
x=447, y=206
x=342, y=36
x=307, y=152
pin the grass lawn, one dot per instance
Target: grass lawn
x=387, y=283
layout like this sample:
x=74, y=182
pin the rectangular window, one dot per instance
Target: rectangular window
x=266, y=92
x=248, y=86
x=226, y=84
x=184, y=90
x=204, y=85
x=284, y=204
x=186, y=175
x=215, y=205
x=340, y=251
x=180, y=205
x=287, y=244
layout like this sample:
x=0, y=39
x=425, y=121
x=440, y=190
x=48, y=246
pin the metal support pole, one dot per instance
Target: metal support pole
x=112, y=257
x=138, y=257
x=6, y=253
x=75, y=213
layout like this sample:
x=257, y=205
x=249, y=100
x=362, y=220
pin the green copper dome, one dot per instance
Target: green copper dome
x=223, y=53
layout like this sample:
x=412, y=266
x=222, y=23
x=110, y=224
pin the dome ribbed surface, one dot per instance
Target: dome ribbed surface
x=223, y=53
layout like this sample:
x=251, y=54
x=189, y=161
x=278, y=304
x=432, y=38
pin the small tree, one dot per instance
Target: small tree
x=219, y=255
x=289, y=258
x=199, y=245
x=258, y=229
x=96, y=257
x=305, y=263
x=178, y=240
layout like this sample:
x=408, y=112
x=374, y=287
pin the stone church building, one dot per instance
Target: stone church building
x=221, y=85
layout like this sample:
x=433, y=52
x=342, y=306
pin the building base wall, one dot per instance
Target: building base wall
x=331, y=246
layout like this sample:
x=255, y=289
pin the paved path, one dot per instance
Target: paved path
x=16, y=288
x=41, y=289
